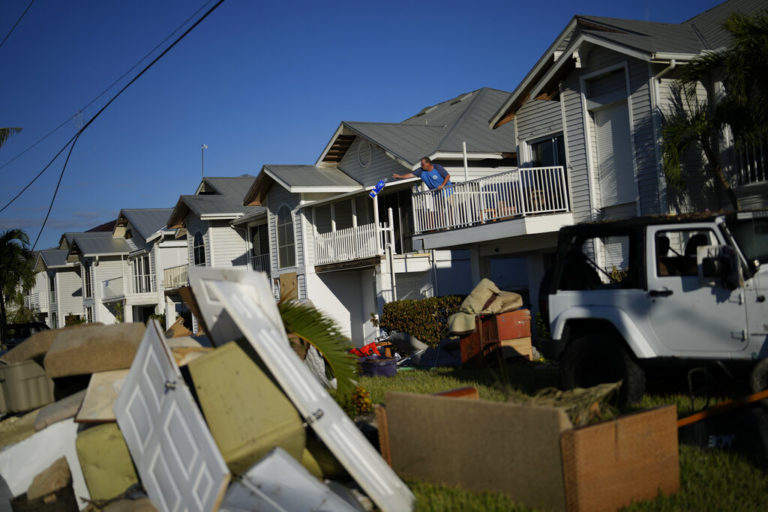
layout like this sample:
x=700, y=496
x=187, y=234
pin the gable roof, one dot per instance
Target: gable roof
x=96, y=244
x=298, y=179
x=215, y=198
x=145, y=221
x=645, y=40
x=52, y=259
x=435, y=130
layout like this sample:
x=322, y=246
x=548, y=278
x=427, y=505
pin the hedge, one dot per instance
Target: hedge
x=425, y=319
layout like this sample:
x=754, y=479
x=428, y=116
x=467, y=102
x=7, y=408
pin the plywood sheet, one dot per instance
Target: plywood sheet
x=100, y=397
x=176, y=457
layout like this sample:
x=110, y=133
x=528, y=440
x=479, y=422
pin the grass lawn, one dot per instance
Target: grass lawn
x=710, y=480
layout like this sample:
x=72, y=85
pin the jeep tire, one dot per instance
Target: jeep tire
x=758, y=379
x=599, y=358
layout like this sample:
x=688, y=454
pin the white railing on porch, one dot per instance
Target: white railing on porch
x=351, y=244
x=32, y=301
x=175, y=277
x=143, y=283
x=505, y=195
x=751, y=163
x=112, y=288
x=259, y=262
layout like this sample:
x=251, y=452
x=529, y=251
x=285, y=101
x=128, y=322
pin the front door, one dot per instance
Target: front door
x=688, y=316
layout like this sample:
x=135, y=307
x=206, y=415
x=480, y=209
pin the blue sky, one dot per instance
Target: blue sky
x=256, y=82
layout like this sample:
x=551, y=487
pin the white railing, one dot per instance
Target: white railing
x=112, y=288
x=143, y=283
x=751, y=164
x=32, y=301
x=175, y=277
x=259, y=262
x=506, y=195
x=350, y=244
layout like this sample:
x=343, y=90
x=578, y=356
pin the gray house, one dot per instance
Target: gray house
x=349, y=253
x=58, y=289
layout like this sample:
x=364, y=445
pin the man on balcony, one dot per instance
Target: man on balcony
x=433, y=175
x=436, y=178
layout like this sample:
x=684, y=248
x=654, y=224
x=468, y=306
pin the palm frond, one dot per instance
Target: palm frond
x=321, y=332
x=7, y=132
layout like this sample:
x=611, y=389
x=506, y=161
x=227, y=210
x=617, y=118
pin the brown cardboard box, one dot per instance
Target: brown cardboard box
x=532, y=453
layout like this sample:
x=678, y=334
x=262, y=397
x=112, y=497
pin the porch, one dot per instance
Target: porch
x=137, y=286
x=508, y=195
x=353, y=243
x=175, y=277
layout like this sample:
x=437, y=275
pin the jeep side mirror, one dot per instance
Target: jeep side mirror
x=718, y=266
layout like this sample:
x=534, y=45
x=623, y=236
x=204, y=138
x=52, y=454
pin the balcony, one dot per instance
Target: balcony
x=751, y=164
x=32, y=301
x=112, y=289
x=508, y=195
x=349, y=244
x=142, y=283
x=175, y=277
x=259, y=262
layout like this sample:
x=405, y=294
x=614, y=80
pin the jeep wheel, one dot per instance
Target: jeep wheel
x=597, y=359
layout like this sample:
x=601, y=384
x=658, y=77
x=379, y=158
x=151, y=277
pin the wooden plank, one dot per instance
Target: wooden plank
x=100, y=397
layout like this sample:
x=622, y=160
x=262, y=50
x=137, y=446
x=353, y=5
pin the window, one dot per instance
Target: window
x=88, y=286
x=603, y=261
x=54, y=320
x=198, y=249
x=142, y=276
x=676, y=251
x=52, y=289
x=89, y=314
x=260, y=248
x=286, y=252
x=548, y=152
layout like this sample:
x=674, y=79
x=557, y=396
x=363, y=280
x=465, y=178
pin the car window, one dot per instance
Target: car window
x=675, y=250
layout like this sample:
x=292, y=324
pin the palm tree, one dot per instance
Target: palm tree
x=17, y=274
x=742, y=104
x=7, y=132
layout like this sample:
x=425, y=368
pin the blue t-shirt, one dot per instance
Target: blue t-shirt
x=433, y=178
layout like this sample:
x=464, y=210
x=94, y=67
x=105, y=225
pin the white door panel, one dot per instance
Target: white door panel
x=176, y=457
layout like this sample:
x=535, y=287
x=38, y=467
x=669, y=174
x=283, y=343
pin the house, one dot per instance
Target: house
x=593, y=104
x=349, y=251
x=209, y=221
x=598, y=94
x=153, y=254
x=58, y=292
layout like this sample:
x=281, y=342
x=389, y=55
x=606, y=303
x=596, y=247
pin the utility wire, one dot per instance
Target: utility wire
x=102, y=93
x=74, y=139
x=15, y=24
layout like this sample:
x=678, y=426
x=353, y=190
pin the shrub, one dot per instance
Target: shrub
x=425, y=319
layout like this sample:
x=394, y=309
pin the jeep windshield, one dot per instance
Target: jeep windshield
x=751, y=233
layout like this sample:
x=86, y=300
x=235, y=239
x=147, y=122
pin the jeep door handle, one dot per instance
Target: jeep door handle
x=660, y=293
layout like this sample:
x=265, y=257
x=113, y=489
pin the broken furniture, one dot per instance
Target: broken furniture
x=24, y=386
x=532, y=453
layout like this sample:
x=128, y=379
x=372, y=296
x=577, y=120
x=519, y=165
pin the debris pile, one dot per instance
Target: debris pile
x=120, y=417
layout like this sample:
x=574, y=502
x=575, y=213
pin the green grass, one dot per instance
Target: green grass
x=710, y=480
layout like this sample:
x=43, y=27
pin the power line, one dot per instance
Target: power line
x=74, y=139
x=102, y=93
x=15, y=24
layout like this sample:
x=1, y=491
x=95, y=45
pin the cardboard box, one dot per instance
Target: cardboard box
x=532, y=453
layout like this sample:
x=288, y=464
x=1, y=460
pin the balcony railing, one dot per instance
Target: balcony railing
x=112, y=288
x=32, y=301
x=506, y=195
x=175, y=277
x=350, y=244
x=143, y=283
x=751, y=164
x=259, y=262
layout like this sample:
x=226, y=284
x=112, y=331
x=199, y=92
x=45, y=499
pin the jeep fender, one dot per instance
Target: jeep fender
x=618, y=318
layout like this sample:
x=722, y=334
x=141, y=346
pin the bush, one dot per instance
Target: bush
x=425, y=319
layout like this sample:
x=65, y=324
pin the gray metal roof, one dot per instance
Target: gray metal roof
x=100, y=243
x=146, y=221
x=298, y=177
x=216, y=197
x=443, y=128
x=54, y=258
x=710, y=22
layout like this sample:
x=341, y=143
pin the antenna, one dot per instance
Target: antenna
x=202, y=160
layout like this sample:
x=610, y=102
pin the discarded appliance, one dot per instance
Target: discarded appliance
x=532, y=453
x=24, y=386
x=277, y=483
x=173, y=450
x=239, y=303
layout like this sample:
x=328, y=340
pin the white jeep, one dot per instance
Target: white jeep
x=623, y=295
